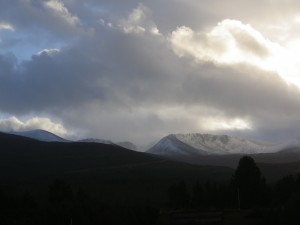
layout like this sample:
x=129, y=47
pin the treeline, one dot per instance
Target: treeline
x=201, y=196
x=248, y=190
x=64, y=206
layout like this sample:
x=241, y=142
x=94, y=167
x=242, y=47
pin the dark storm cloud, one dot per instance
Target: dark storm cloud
x=40, y=16
x=98, y=70
x=122, y=79
x=242, y=90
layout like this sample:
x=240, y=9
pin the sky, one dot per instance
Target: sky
x=139, y=70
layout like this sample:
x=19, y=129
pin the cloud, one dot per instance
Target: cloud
x=52, y=20
x=14, y=124
x=230, y=42
x=58, y=9
x=49, y=51
x=6, y=26
x=138, y=22
x=138, y=76
x=221, y=124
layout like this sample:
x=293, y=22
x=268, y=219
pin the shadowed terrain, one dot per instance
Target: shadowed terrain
x=116, y=174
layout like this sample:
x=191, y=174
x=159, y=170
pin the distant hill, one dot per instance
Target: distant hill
x=40, y=135
x=7, y=138
x=128, y=145
x=96, y=140
x=46, y=136
x=124, y=144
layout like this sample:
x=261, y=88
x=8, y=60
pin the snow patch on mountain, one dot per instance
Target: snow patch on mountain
x=170, y=145
x=195, y=143
x=224, y=144
x=167, y=146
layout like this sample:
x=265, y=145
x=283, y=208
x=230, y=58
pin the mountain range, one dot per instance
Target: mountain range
x=215, y=151
x=110, y=172
x=46, y=136
x=208, y=144
x=190, y=144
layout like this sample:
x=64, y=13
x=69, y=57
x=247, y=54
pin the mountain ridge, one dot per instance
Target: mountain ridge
x=203, y=144
x=40, y=135
x=170, y=145
x=183, y=144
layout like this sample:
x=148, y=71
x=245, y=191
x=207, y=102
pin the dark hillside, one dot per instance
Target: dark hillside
x=273, y=165
x=116, y=174
x=13, y=139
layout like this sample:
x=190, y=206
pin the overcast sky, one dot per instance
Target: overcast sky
x=139, y=70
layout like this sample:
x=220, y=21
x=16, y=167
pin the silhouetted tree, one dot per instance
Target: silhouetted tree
x=287, y=197
x=211, y=194
x=198, y=200
x=59, y=192
x=285, y=188
x=178, y=196
x=249, y=183
x=60, y=199
x=28, y=209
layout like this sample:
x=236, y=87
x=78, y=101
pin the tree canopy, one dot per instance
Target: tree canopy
x=249, y=183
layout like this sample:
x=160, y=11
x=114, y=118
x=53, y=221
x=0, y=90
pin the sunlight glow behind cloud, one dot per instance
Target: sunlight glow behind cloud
x=14, y=124
x=232, y=42
x=223, y=124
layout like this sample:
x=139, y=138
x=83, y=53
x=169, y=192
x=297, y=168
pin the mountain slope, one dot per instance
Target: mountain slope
x=187, y=144
x=96, y=140
x=128, y=145
x=124, y=144
x=171, y=145
x=224, y=144
x=40, y=135
x=7, y=139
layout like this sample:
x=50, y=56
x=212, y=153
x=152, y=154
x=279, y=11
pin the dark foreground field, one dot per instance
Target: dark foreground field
x=88, y=183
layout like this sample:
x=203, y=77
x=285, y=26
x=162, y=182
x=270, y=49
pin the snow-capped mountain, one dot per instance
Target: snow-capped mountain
x=212, y=144
x=170, y=145
x=40, y=135
x=224, y=144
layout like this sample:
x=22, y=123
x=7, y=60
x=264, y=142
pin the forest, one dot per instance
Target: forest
x=247, y=198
